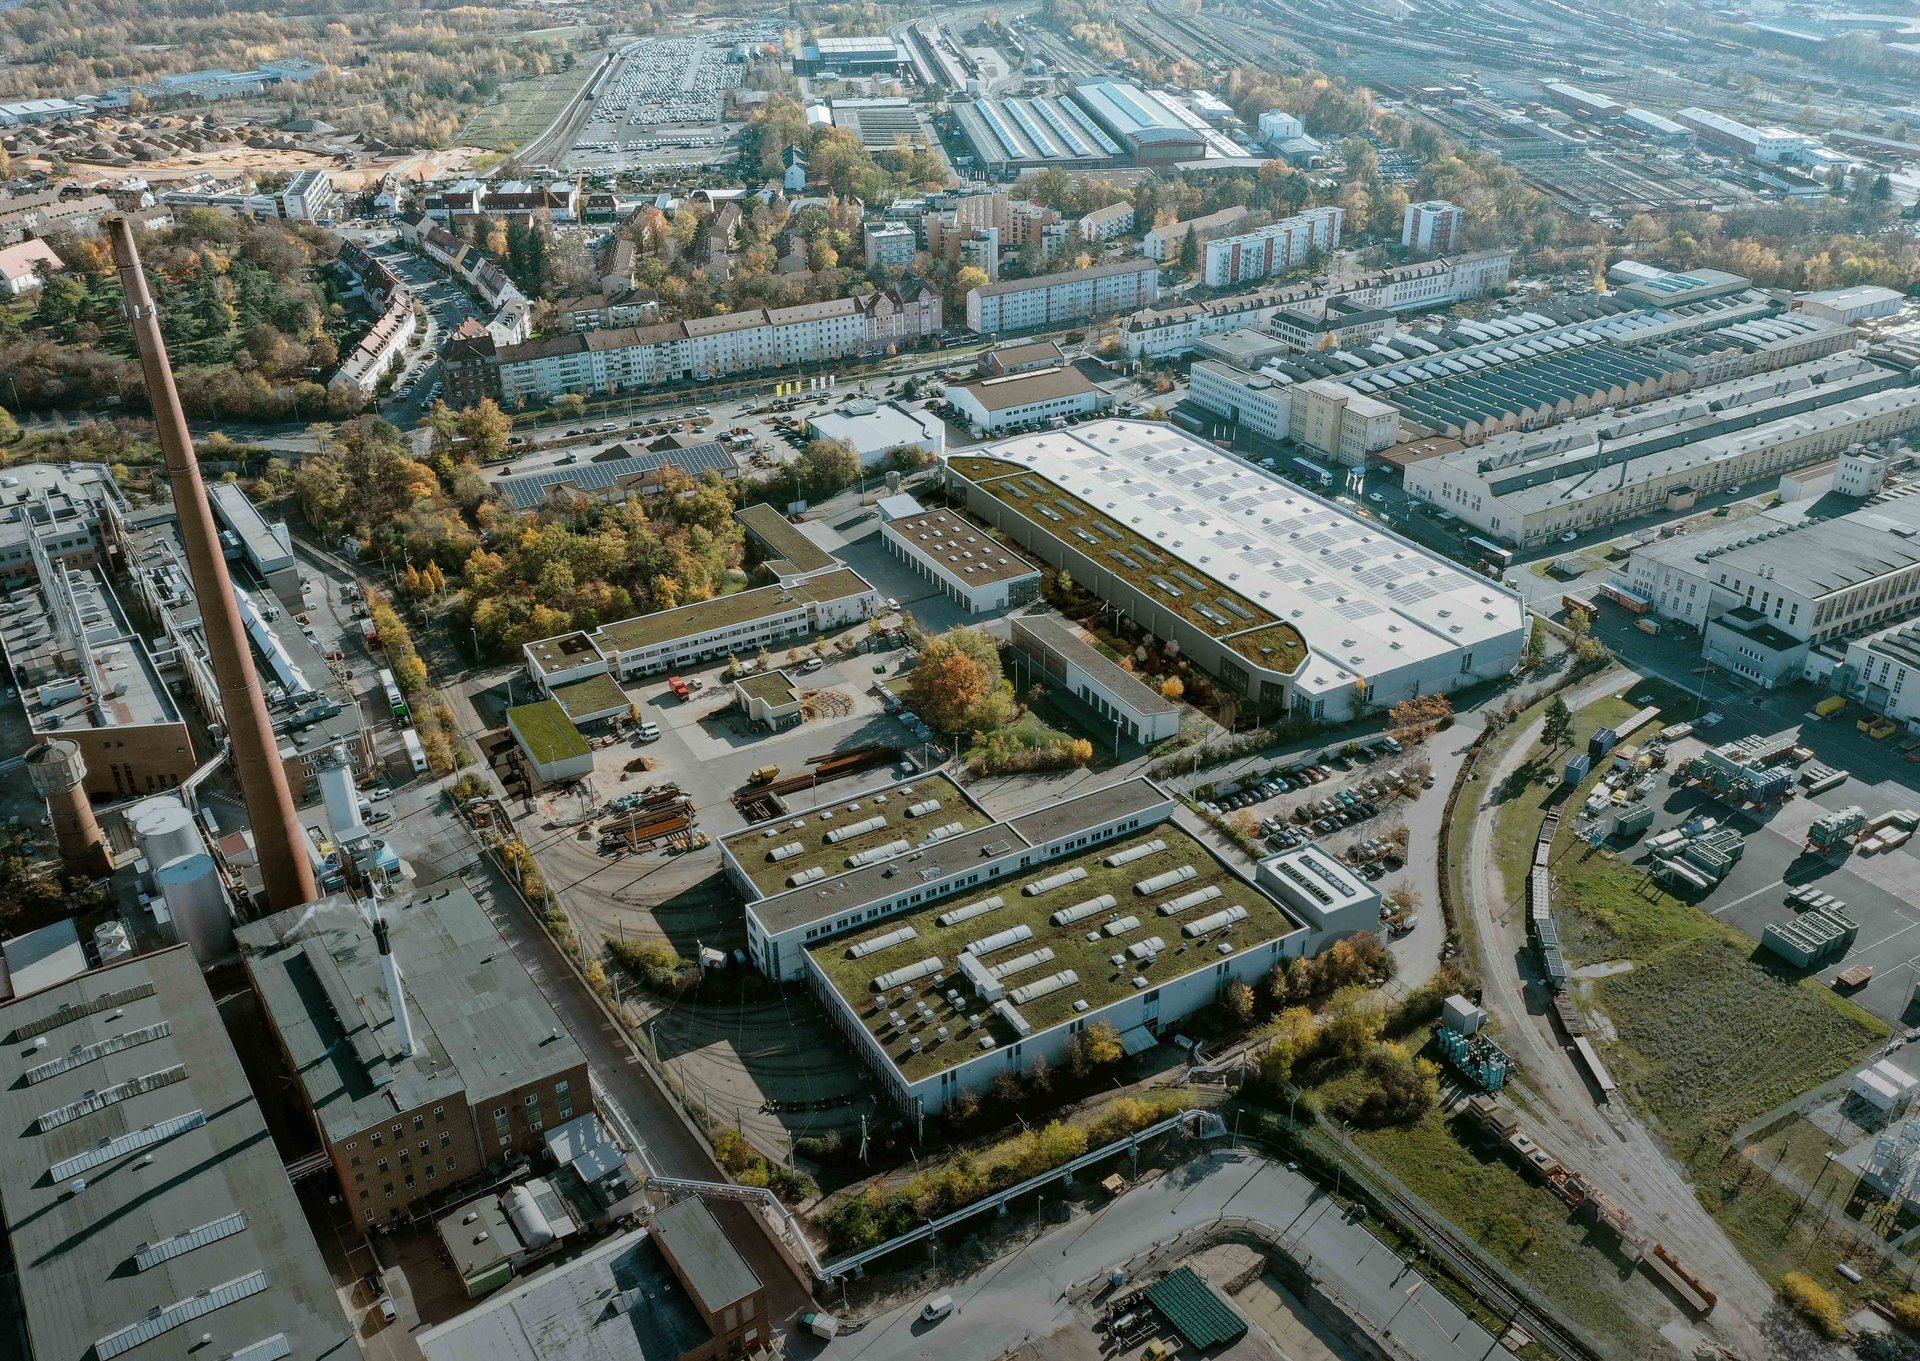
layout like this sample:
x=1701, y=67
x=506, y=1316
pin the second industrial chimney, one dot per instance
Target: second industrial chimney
x=284, y=865
x=59, y=775
x=390, y=967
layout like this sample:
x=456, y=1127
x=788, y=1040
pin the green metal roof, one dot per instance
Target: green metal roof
x=1196, y=1312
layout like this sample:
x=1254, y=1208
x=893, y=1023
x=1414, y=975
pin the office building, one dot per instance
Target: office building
x=1769, y=590
x=964, y=562
x=146, y=1209
x=1526, y=487
x=1058, y=299
x=82, y=665
x=1328, y=614
x=1432, y=228
x=735, y=625
x=421, y=1048
x=890, y=243
x=1130, y=703
x=1276, y=248
x=1009, y=939
x=309, y=196
x=1026, y=401
x=1342, y=423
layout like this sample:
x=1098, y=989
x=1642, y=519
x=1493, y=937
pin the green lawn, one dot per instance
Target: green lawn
x=524, y=109
x=1703, y=1036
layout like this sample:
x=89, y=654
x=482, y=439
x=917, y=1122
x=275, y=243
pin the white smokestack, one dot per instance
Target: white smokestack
x=396, y=998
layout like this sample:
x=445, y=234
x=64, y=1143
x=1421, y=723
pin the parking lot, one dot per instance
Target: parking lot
x=1877, y=889
x=667, y=96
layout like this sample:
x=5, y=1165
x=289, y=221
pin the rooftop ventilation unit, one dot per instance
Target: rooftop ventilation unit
x=1000, y=940
x=1133, y=853
x=970, y=911
x=1053, y=881
x=1173, y=907
x=879, y=943
x=1215, y=922
x=911, y=973
x=1161, y=882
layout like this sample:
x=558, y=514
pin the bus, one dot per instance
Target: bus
x=416, y=753
x=1492, y=552
x=394, y=697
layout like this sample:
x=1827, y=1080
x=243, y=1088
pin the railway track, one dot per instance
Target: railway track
x=1487, y=1283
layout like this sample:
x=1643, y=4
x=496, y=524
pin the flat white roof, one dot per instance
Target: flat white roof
x=1365, y=600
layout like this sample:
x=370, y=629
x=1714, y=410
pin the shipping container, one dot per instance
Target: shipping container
x=1647, y=625
x=1830, y=706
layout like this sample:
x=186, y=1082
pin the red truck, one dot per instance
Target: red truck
x=680, y=687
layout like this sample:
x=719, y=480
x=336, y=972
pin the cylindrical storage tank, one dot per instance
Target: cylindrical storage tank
x=528, y=1220
x=165, y=828
x=190, y=885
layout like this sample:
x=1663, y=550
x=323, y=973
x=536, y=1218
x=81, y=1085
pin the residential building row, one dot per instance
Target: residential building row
x=1060, y=299
x=1162, y=333
x=749, y=341
x=1227, y=261
x=309, y=196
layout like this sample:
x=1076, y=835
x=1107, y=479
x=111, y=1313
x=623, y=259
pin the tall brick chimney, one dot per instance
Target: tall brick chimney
x=284, y=862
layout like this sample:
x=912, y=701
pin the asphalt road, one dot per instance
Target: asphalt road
x=1020, y=1298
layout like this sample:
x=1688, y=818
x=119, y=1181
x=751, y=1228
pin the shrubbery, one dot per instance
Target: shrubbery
x=882, y=1212
x=1815, y=1303
x=1006, y=754
x=655, y=966
x=745, y=1164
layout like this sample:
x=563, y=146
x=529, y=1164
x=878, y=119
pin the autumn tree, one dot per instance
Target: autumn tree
x=826, y=466
x=486, y=430
x=1356, y=1017
x=1103, y=1045
x=1416, y=719
x=1295, y=1034
x=957, y=685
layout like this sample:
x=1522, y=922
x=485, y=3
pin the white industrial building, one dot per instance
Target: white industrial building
x=1024, y=401
x=1273, y=249
x=1277, y=125
x=1658, y=128
x=1768, y=591
x=739, y=624
x=1527, y=487
x=874, y=430
x=1743, y=139
x=967, y=564
x=1882, y=671
x=1327, y=614
x=1849, y=306
x=1057, y=299
x=1000, y=947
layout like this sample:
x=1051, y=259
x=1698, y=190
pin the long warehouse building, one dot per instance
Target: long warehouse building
x=1328, y=615
x=1527, y=487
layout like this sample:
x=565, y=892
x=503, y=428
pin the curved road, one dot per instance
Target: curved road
x=1609, y=1144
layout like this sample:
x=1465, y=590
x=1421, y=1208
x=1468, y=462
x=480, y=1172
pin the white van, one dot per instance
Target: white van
x=937, y=1309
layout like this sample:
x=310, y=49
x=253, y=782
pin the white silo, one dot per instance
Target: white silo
x=197, y=901
x=166, y=830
